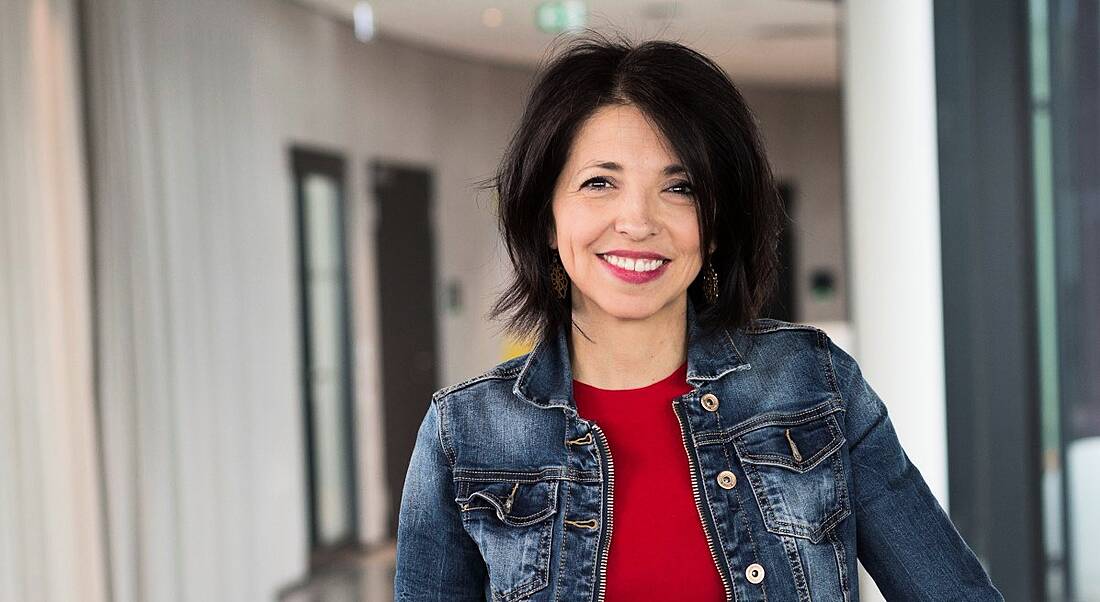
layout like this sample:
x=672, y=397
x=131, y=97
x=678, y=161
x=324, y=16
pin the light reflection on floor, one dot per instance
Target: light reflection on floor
x=369, y=579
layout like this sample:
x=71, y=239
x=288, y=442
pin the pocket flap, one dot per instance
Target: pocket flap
x=515, y=503
x=797, y=445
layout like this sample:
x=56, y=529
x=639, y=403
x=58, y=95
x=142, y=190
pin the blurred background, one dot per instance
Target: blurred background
x=241, y=244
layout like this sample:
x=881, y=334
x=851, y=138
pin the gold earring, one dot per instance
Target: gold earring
x=710, y=283
x=558, y=277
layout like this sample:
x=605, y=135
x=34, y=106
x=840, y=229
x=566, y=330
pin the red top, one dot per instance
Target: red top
x=658, y=548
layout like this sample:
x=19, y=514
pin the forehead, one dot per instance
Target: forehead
x=620, y=133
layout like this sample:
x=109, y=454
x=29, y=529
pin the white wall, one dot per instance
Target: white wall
x=50, y=528
x=802, y=131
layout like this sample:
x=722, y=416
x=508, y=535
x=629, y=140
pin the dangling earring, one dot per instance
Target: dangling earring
x=710, y=283
x=558, y=277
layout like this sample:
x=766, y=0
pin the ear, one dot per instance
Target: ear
x=552, y=237
x=713, y=246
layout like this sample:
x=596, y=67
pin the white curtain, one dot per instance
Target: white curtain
x=51, y=543
x=199, y=383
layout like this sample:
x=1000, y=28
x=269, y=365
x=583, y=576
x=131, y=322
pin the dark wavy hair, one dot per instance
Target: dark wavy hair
x=704, y=118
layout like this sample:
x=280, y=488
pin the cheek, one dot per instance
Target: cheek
x=688, y=238
x=577, y=228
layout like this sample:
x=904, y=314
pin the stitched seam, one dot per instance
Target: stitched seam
x=542, y=575
x=829, y=406
x=794, y=559
x=561, y=548
x=780, y=527
x=448, y=453
x=752, y=540
x=548, y=474
x=831, y=369
x=466, y=474
x=517, y=521
x=494, y=374
x=522, y=375
x=824, y=408
x=782, y=461
x=541, y=578
x=756, y=485
x=738, y=357
x=841, y=565
x=737, y=368
x=774, y=325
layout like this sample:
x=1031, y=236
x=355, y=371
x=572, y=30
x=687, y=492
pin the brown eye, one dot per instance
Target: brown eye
x=682, y=187
x=596, y=180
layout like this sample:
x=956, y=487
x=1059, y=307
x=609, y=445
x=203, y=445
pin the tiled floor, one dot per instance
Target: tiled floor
x=367, y=579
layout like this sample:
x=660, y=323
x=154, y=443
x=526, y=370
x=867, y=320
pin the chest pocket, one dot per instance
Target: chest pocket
x=512, y=524
x=794, y=465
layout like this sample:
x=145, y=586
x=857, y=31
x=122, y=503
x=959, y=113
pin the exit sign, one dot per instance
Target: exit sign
x=561, y=15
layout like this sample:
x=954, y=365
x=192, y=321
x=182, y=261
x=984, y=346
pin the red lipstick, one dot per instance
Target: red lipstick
x=632, y=276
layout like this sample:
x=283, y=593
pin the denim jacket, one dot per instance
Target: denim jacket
x=795, y=467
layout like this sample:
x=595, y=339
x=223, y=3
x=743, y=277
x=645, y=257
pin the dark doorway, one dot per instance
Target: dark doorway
x=327, y=386
x=782, y=303
x=406, y=288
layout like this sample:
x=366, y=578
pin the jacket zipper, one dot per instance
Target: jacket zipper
x=601, y=571
x=698, y=501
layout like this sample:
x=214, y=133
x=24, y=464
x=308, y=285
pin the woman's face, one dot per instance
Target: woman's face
x=625, y=222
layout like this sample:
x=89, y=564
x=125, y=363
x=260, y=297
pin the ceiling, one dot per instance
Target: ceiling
x=768, y=42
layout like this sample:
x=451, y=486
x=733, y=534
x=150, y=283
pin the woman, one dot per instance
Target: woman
x=662, y=441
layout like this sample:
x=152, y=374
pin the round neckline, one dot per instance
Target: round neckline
x=674, y=378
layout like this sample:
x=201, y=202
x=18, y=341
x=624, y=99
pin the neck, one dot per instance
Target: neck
x=628, y=354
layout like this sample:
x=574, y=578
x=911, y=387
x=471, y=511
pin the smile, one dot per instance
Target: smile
x=635, y=271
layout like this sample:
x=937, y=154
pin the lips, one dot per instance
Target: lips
x=633, y=276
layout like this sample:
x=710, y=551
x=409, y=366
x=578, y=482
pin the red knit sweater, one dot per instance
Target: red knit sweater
x=658, y=548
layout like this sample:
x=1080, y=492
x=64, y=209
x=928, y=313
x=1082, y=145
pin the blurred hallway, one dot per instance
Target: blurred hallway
x=241, y=244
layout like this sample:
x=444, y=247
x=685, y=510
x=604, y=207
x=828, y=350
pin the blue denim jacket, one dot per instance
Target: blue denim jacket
x=795, y=467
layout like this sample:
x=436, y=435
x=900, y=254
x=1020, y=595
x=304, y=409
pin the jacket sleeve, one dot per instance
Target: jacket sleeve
x=905, y=539
x=436, y=559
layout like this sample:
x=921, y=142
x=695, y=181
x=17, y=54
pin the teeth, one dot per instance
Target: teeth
x=637, y=265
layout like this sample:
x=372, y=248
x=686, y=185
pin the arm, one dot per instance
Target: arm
x=436, y=559
x=906, y=541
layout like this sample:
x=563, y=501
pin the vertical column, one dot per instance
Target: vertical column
x=892, y=221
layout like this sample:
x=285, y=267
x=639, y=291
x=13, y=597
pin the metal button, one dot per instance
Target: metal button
x=710, y=402
x=754, y=573
x=727, y=480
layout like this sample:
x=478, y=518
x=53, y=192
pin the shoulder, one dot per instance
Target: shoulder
x=776, y=339
x=503, y=374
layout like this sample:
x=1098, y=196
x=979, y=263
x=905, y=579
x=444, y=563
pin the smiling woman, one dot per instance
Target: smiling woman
x=626, y=230
x=658, y=133
x=641, y=218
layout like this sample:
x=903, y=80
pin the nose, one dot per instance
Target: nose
x=637, y=217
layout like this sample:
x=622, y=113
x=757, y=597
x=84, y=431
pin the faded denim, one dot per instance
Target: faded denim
x=509, y=493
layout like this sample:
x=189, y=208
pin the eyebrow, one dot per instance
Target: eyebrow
x=675, y=168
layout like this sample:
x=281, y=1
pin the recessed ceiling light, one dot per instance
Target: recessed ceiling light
x=363, y=19
x=492, y=17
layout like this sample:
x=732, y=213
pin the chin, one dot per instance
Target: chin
x=631, y=308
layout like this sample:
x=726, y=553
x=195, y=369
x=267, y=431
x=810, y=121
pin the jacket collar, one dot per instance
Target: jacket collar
x=546, y=379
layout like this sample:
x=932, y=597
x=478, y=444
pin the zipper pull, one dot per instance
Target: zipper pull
x=794, y=448
x=511, y=496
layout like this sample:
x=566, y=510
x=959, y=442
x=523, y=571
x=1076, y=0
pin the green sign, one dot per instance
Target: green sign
x=561, y=15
